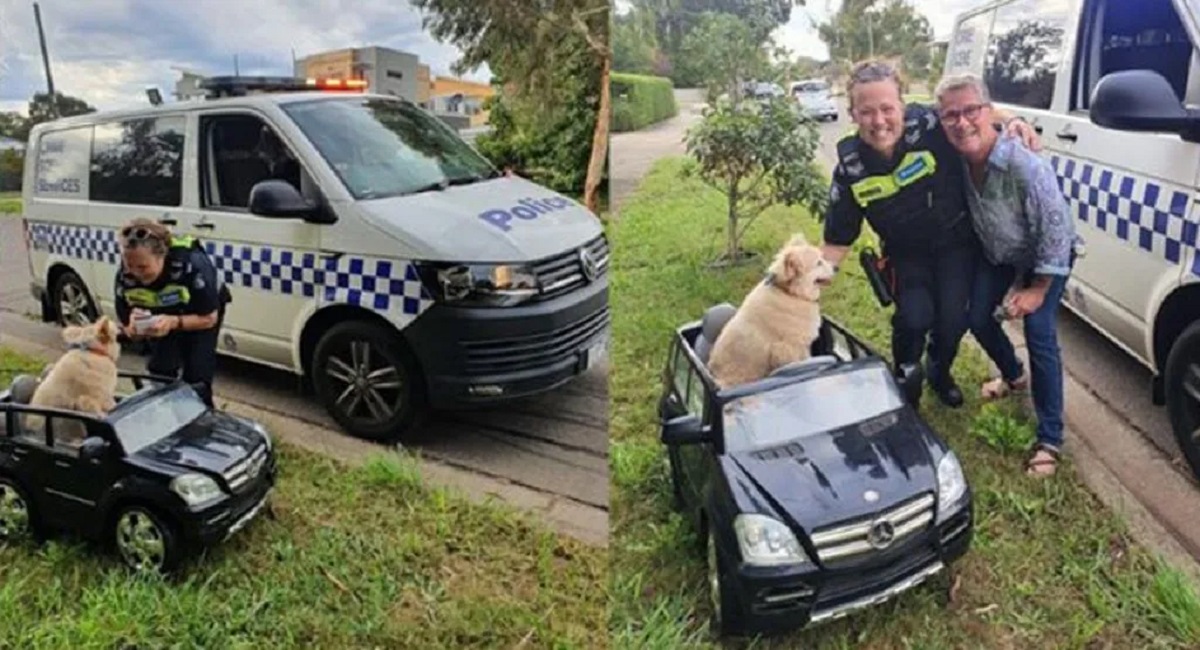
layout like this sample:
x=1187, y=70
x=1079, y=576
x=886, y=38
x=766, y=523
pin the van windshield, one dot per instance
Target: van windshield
x=383, y=147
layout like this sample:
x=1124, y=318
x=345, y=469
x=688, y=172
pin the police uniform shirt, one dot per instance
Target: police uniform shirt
x=916, y=202
x=188, y=285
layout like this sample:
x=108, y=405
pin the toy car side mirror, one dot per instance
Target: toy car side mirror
x=684, y=430
x=93, y=449
x=911, y=378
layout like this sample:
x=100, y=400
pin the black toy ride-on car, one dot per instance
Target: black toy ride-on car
x=817, y=491
x=160, y=477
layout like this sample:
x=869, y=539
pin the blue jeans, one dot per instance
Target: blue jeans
x=1041, y=339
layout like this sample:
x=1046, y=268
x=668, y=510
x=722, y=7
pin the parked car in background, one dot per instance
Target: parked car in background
x=816, y=99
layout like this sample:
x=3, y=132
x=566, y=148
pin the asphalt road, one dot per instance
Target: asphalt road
x=556, y=443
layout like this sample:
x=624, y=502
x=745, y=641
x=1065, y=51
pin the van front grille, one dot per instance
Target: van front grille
x=566, y=272
x=519, y=353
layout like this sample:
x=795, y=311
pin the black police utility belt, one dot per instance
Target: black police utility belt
x=176, y=293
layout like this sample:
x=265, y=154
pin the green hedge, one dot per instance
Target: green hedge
x=640, y=100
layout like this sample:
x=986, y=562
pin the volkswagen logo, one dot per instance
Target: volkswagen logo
x=588, y=264
x=881, y=534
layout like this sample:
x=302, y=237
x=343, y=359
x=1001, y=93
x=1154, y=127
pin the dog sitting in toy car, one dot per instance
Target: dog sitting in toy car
x=818, y=490
x=160, y=476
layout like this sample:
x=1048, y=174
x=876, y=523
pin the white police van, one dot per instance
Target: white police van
x=1110, y=85
x=367, y=247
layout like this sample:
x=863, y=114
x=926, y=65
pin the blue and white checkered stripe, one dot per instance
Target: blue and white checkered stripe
x=1131, y=208
x=390, y=287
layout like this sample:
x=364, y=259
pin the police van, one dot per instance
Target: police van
x=1111, y=86
x=367, y=247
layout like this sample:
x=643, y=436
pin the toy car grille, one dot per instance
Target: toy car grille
x=877, y=533
x=562, y=273
x=245, y=471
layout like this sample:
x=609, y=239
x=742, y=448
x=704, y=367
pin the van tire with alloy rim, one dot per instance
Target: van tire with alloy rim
x=367, y=380
x=727, y=618
x=16, y=513
x=146, y=541
x=71, y=302
x=1182, y=384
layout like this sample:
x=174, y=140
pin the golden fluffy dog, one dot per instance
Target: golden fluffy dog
x=84, y=379
x=779, y=319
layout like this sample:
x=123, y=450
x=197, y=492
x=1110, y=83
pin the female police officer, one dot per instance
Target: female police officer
x=174, y=279
x=901, y=174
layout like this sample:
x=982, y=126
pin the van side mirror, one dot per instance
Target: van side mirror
x=1141, y=100
x=684, y=430
x=911, y=378
x=276, y=198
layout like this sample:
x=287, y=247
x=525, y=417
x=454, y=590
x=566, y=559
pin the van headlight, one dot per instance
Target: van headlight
x=766, y=541
x=481, y=285
x=952, y=485
x=195, y=488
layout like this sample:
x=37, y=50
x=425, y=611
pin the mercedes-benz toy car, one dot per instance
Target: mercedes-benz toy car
x=818, y=490
x=160, y=477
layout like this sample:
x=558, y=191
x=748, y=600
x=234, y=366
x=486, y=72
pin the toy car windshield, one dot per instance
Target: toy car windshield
x=152, y=414
x=829, y=399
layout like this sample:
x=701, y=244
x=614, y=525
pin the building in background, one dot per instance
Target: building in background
x=451, y=95
x=386, y=71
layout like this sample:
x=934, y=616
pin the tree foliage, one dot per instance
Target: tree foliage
x=880, y=28
x=551, y=59
x=16, y=126
x=757, y=154
x=723, y=52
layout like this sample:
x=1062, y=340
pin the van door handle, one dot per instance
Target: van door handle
x=167, y=221
x=1067, y=135
x=1038, y=128
x=206, y=225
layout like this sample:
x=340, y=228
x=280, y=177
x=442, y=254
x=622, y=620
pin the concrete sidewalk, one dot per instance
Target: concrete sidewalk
x=1158, y=500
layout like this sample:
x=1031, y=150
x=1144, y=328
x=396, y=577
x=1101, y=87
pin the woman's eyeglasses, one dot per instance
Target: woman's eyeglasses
x=969, y=112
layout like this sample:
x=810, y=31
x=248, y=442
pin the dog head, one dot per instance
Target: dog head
x=800, y=269
x=100, y=336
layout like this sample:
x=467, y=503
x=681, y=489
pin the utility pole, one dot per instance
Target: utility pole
x=37, y=15
x=236, y=73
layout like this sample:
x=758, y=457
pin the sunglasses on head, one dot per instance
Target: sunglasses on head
x=136, y=234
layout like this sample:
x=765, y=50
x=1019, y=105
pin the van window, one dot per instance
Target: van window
x=969, y=44
x=1024, y=52
x=138, y=162
x=382, y=147
x=1118, y=35
x=239, y=152
x=62, y=164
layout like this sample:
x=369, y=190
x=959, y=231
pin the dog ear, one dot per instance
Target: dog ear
x=104, y=330
x=793, y=264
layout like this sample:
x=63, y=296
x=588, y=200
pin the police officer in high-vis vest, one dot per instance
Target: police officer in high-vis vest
x=174, y=280
x=900, y=174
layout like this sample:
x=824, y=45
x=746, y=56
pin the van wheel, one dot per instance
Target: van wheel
x=1182, y=380
x=72, y=304
x=367, y=380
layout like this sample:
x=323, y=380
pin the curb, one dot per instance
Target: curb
x=584, y=523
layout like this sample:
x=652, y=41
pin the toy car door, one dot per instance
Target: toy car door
x=72, y=484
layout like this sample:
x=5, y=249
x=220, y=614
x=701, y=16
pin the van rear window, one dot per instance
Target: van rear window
x=381, y=148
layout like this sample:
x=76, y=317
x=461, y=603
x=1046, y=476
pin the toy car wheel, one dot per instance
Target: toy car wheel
x=145, y=541
x=367, y=380
x=726, y=617
x=16, y=517
x=1182, y=383
x=72, y=304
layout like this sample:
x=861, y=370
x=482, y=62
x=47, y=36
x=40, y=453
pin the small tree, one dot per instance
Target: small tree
x=758, y=154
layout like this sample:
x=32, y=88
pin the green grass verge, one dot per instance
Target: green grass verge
x=356, y=558
x=10, y=203
x=1049, y=567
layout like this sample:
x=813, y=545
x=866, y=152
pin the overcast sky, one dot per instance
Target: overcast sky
x=801, y=36
x=107, y=51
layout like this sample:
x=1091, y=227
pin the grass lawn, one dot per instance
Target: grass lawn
x=1049, y=566
x=10, y=203
x=356, y=558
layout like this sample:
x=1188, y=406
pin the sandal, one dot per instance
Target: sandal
x=998, y=388
x=1034, y=465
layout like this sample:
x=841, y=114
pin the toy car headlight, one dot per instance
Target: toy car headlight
x=195, y=488
x=486, y=285
x=952, y=485
x=765, y=541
